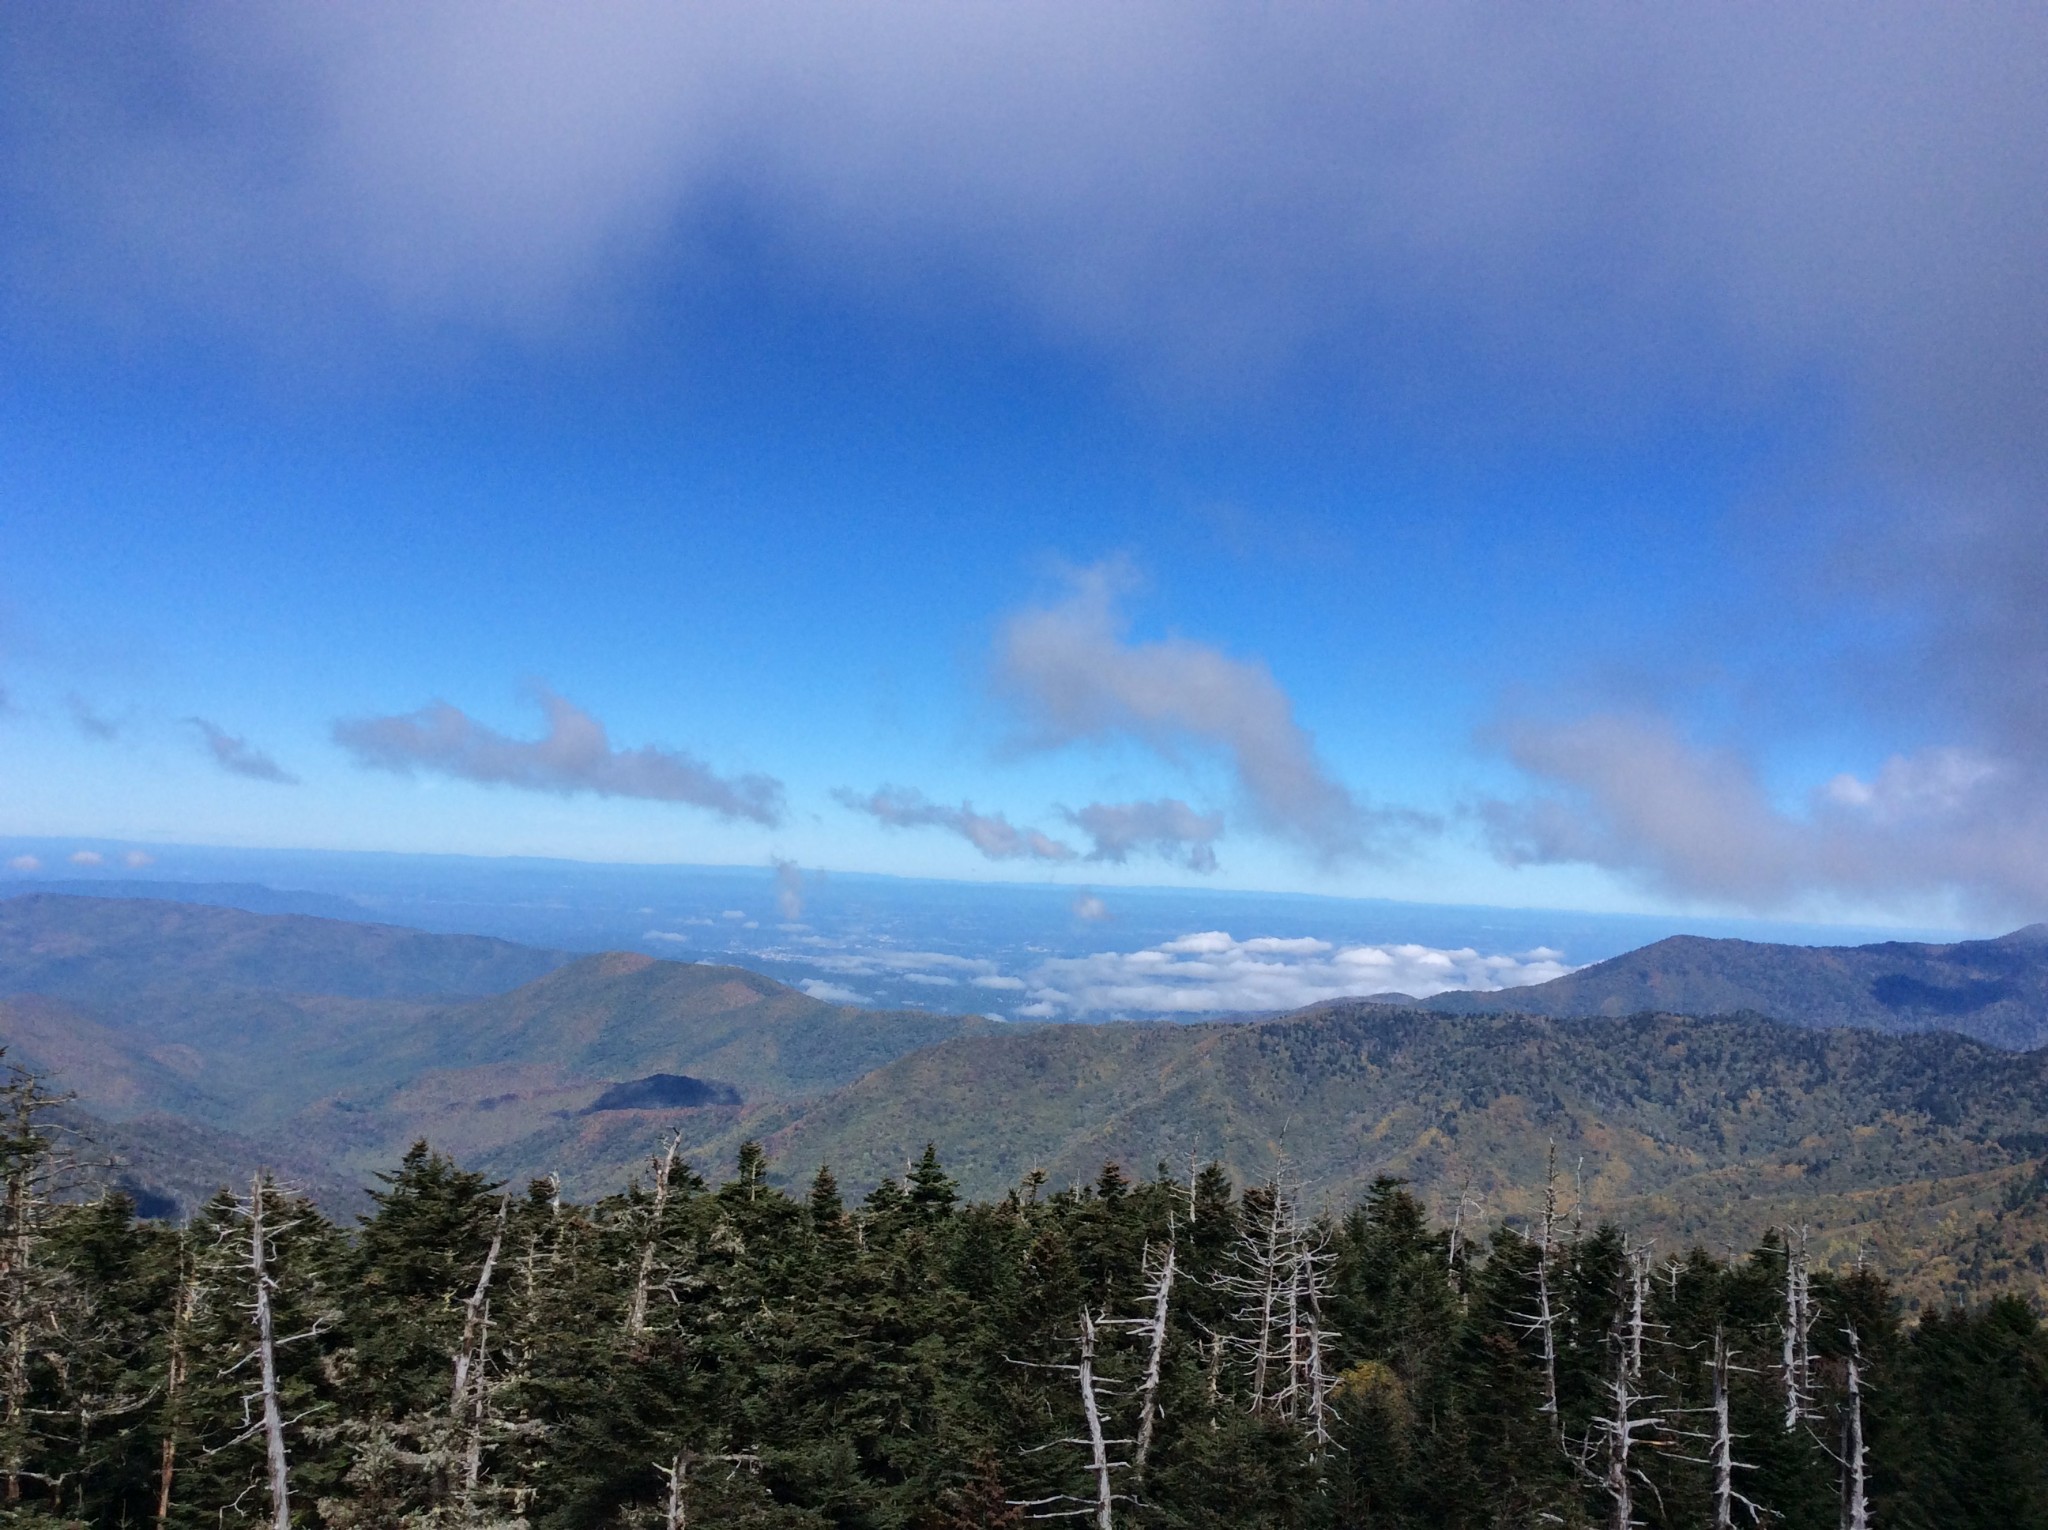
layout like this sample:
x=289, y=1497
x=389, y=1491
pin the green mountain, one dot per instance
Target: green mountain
x=99, y=949
x=331, y=1046
x=1897, y=1146
x=1993, y=990
x=334, y=1045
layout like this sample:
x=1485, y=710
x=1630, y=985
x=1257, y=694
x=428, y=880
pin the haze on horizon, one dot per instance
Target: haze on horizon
x=1591, y=457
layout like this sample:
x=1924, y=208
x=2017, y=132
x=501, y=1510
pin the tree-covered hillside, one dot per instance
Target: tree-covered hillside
x=1992, y=990
x=1708, y=1130
x=1171, y=1352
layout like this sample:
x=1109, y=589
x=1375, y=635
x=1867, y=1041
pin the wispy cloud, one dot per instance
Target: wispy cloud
x=1075, y=674
x=1213, y=972
x=1168, y=828
x=238, y=756
x=574, y=755
x=990, y=833
x=89, y=722
x=1090, y=907
x=25, y=863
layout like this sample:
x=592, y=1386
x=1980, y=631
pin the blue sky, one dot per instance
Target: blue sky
x=1590, y=459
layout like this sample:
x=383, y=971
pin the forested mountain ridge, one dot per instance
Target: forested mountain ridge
x=1993, y=990
x=109, y=949
x=1690, y=1129
x=340, y=1043
x=1170, y=1354
x=1916, y=1149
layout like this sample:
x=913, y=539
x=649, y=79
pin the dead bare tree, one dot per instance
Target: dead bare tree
x=676, y=1475
x=254, y=1248
x=1624, y=1424
x=263, y=1283
x=1796, y=1332
x=1158, y=1297
x=1097, y=1442
x=177, y=1368
x=1722, y=1448
x=1280, y=1279
x=33, y=1294
x=1854, y=1456
x=1542, y=1322
x=650, y=1247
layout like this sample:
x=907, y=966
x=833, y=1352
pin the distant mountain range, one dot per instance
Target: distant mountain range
x=1993, y=990
x=1832, y=1090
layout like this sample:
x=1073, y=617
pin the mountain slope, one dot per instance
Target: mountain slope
x=508, y=1081
x=1690, y=1129
x=98, y=949
x=1992, y=990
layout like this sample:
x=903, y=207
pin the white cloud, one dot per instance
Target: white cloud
x=1213, y=972
x=574, y=755
x=990, y=833
x=25, y=863
x=1091, y=908
x=86, y=858
x=831, y=993
x=1075, y=675
x=135, y=860
x=932, y=980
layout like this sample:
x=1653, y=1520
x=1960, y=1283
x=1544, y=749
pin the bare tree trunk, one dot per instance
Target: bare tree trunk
x=664, y=1167
x=266, y=1350
x=1269, y=1274
x=1148, y=1392
x=678, y=1516
x=1098, y=1446
x=1796, y=1354
x=473, y=1312
x=1546, y=1316
x=182, y=1312
x=1855, y=1486
x=19, y=1253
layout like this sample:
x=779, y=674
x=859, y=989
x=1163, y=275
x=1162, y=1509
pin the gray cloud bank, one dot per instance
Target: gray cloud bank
x=1075, y=675
x=1633, y=795
x=1168, y=828
x=237, y=756
x=990, y=833
x=574, y=755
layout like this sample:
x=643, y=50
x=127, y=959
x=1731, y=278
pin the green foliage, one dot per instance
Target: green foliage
x=910, y=1365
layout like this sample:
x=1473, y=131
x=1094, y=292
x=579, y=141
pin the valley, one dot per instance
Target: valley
x=199, y=1041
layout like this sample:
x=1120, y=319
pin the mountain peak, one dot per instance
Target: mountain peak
x=2026, y=935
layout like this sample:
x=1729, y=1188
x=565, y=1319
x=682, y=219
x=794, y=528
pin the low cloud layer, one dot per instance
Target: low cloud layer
x=1168, y=828
x=1213, y=972
x=990, y=833
x=1635, y=796
x=574, y=755
x=1075, y=675
x=239, y=757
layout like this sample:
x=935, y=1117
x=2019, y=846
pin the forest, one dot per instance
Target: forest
x=1170, y=1350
